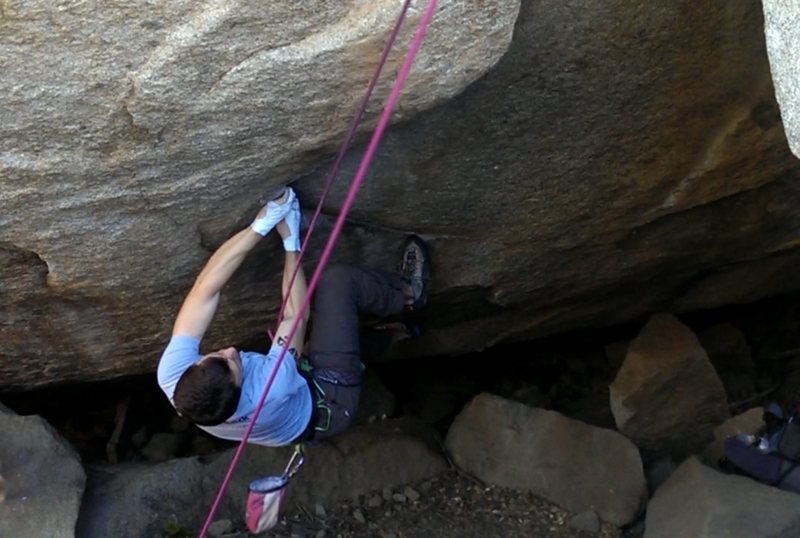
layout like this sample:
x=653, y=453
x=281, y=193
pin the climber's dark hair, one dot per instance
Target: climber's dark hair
x=206, y=393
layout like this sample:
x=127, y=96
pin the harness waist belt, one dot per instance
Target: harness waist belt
x=308, y=433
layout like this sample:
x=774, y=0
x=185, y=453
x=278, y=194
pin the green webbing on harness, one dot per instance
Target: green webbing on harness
x=307, y=371
x=304, y=365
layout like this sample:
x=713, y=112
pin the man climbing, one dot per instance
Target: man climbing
x=219, y=390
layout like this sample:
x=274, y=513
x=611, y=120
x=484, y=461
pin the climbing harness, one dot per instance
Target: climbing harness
x=321, y=412
x=366, y=160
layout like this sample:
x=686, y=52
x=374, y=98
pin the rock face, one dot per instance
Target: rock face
x=698, y=502
x=142, y=133
x=577, y=466
x=613, y=162
x=42, y=479
x=667, y=396
x=726, y=347
x=783, y=34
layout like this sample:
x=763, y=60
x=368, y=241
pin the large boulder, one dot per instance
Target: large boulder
x=139, y=499
x=667, y=396
x=577, y=466
x=613, y=162
x=698, y=502
x=142, y=133
x=783, y=34
x=42, y=479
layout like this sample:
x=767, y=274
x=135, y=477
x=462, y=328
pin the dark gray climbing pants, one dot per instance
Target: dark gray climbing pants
x=343, y=293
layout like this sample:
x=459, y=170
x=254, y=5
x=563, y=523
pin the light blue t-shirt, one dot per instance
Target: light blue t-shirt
x=286, y=411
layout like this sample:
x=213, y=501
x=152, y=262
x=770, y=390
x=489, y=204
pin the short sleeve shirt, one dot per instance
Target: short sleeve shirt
x=286, y=411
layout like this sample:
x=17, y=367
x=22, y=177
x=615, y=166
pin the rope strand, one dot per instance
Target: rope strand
x=348, y=139
x=351, y=195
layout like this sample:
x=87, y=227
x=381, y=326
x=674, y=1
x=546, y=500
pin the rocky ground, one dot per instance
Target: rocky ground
x=451, y=504
x=129, y=428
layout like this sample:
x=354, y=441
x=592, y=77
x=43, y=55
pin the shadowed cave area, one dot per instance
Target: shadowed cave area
x=110, y=422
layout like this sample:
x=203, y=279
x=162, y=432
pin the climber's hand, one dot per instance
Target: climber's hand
x=272, y=213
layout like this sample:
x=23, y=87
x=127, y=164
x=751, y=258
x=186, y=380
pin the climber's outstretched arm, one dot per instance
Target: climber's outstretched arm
x=201, y=303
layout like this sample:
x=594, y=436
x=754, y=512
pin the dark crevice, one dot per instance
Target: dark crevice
x=569, y=373
x=691, y=229
x=20, y=267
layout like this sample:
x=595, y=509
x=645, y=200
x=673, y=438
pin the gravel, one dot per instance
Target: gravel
x=451, y=504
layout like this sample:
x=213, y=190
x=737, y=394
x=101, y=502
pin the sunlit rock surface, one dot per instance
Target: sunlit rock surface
x=783, y=39
x=132, y=133
x=610, y=162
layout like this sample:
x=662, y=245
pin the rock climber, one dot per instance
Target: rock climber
x=219, y=390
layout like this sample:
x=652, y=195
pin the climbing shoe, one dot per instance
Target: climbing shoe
x=416, y=271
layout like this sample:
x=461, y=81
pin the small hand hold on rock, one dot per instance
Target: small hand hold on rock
x=219, y=528
x=359, y=516
x=411, y=494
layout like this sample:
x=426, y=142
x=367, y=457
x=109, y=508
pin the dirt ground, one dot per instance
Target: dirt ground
x=450, y=505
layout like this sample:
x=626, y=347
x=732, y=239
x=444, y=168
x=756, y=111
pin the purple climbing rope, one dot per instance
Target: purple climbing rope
x=366, y=160
x=348, y=139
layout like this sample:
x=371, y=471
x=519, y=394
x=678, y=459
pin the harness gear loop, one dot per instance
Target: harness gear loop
x=306, y=370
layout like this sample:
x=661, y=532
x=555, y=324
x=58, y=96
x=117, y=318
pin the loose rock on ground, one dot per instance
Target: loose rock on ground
x=450, y=504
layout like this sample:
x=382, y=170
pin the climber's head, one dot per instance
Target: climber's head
x=208, y=391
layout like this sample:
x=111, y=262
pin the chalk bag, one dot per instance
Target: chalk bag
x=265, y=498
